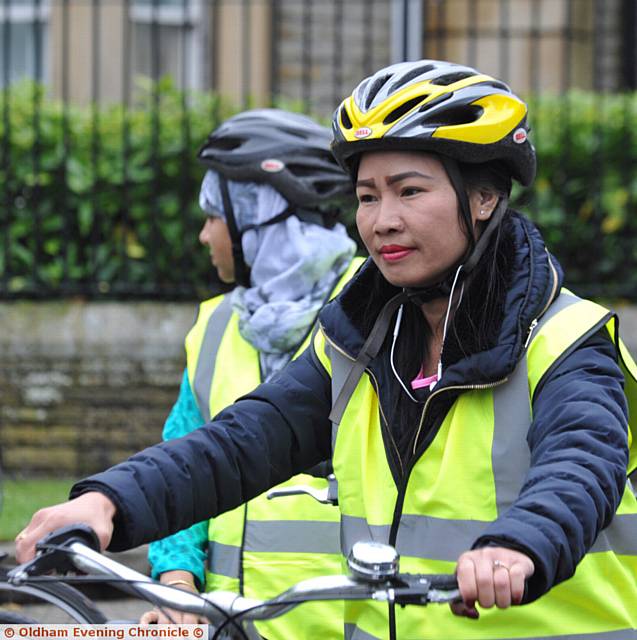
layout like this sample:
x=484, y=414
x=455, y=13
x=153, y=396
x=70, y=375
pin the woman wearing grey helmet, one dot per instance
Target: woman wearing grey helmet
x=271, y=195
x=476, y=411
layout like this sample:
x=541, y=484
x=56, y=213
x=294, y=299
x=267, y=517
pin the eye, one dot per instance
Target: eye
x=366, y=198
x=410, y=191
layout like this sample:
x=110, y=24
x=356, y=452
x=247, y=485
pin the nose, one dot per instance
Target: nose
x=203, y=234
x=388, y=219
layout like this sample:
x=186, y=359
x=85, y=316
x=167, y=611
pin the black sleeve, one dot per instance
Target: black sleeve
x=579, y=455
x=266, y=437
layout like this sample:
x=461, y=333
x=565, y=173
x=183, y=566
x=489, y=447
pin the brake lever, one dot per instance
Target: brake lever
x=49, y=559
x=329, y=495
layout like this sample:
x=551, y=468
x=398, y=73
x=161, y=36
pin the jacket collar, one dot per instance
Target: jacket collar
x=535, y=279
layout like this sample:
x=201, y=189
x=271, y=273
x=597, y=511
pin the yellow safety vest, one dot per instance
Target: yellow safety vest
x=265, y=546
x=470, y=474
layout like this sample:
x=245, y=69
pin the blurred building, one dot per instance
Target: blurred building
x=309, y=50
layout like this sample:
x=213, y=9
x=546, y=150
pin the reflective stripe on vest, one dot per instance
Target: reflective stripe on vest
x=354, y=633
x=205, y=367
x=457, y=476
x=266, y=546
x=224, y=559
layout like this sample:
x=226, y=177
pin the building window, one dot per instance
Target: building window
x=24, y=40
x=168, y=38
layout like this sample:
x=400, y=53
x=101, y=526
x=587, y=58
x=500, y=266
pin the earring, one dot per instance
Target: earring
x=482, y=212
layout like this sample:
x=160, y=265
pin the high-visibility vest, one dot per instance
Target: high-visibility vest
x=468, y=476
x=265, y=546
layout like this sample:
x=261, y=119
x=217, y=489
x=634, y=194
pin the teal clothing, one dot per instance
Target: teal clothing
x=185, y=549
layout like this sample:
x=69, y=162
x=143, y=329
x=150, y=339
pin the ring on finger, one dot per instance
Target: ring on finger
x=498, y=564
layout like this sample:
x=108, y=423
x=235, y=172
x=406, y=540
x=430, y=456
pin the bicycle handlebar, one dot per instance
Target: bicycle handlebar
x=381, y=583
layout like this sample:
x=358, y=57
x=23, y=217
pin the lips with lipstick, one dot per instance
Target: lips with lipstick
x=394, y=252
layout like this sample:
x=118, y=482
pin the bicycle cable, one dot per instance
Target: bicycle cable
x=141, y=595
x=132, y=583
x=235, y=617
x=101, y=580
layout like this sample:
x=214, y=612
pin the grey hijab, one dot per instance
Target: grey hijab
x=294, y=267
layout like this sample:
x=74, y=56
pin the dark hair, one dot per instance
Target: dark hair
x=493, y=177
x=476, y=323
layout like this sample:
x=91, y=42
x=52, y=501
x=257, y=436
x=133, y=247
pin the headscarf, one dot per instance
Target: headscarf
x=294, y=267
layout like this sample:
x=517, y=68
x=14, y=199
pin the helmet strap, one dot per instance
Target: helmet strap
x=323, y=219
x=489, y=230
x=241, y=269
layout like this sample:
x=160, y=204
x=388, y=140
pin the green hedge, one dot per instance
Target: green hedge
x=585, y=194
x=104, y=201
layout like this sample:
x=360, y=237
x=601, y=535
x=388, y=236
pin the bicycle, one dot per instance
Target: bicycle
x=373, y=575
x=70, y=604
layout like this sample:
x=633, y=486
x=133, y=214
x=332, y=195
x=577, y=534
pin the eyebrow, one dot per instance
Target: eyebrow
x=408, y=174
x=395, y=178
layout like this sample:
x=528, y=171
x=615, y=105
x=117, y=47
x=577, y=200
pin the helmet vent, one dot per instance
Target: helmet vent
x=324, y=187
x=345, y=121
x=450, y=78
x=499, y=85
x=224, y=144
x=458, y=115
x=308, y=170
x=404, y=108
x=410, y=75
x=294, y=132
x=374, y=89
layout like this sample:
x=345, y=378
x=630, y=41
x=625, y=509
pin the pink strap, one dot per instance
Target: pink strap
x=419, y=381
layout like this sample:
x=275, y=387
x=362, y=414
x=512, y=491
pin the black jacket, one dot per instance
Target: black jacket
x=578, y=439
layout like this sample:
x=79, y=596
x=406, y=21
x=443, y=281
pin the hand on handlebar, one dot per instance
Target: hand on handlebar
x=182, y=580
x=491, y=576
x=93, y=509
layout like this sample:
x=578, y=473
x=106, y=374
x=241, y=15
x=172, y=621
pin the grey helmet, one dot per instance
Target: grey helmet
x=436, y=106
x=287, y=150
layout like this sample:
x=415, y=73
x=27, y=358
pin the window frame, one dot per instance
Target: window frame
x=192, y=24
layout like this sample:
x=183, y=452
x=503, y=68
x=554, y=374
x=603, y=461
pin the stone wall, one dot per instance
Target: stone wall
x=83, y=385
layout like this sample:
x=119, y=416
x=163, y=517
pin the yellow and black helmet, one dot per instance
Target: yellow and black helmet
x=437, y=106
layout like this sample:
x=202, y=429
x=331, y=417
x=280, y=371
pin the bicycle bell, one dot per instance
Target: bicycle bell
x=373, y=561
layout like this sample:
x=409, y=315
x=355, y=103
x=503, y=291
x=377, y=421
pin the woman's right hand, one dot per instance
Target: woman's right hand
x=93, y=509
x=181, y=580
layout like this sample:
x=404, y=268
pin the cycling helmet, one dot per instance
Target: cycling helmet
x=436, y=106
x=287, y=150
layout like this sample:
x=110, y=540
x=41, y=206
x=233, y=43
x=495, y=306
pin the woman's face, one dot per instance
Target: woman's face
x=408, y=216
x=215, y=235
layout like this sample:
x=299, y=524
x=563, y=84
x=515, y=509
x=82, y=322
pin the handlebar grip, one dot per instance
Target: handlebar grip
x=443, y=581
x=65, y=536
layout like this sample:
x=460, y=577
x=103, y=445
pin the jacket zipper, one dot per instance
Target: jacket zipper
x=333, y=344
x=403, y=489
x=536, y=320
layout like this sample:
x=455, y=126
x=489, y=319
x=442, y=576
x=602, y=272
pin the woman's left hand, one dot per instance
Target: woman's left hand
x=491, y=576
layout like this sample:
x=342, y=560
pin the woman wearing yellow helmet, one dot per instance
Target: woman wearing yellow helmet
x=475, y=411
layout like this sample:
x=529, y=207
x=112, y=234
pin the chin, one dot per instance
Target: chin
x=226, y=279
x=406, y=280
